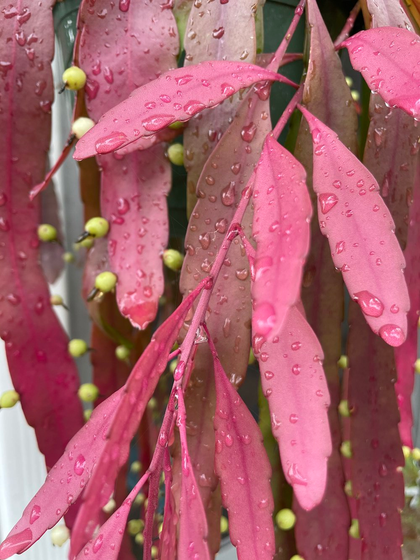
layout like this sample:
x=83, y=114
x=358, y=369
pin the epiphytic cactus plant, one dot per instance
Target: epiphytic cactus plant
x=277, y=236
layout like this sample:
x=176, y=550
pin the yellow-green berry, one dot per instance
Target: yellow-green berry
x=154, y=551
x=416, y=454
x=122, y=352
x=343, y=362
x=345, y=449
x=354, y=530
x=285, y=519
x=135, y=467
x=110, y=506
x=134, y=526
x=176, y=154
x=297, y=557
x=59, y=535
x=87, y=243
x=139, y=539
x=152, y=404
x=97, y=227
x=57, y=300
x=224, y=524
x=106, y=281
x=9, y=398
x=81, y=126
x=87, y=414
x=77, y=347
x=355, y=94
x=417, y=366
x=406, y=451
x=349, y=81
x=88, y=392
x=176, y=125
x=172, y=366
x=139, y=499
x=74, y=78
x=47, y=233
x=173, y=259
x=348, y=488
x=68, y=257
x=343, y=408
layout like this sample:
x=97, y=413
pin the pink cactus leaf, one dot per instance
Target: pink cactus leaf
x=145, y=112
x=167, y=542
x=65, y=481
x=193, y=529
x=36, y=346
x=51, y=253
x=294, y=384
x=242, y=465
x=282, y=213
x=388, y=59
x=385, y=13
x=106, y=545
x=138, y=390
x=205, y=39
x=406, y=355
x=133, y=200
x=360, y=232
x=377, y=457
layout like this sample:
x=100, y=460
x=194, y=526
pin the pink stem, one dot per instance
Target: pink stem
x=174, y=354
x=348, y=26
x=275, y=63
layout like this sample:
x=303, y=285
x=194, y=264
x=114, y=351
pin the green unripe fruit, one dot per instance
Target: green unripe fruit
x=59, y=535
x=348, y=488
x=88, y=392
x=139, y=539
x=345, y=449
x=9, y=398
x=173, y=259
x=406, y=451
x=172, y=366
x=77, y=347
x=139, y=499
x=106, y=282
x=343, y=362
x=47, y=233
x=176, y=154
x=86, y=243
x=81, y=126
x=224, y=524
x=97, y=227
x=135, y=467
x=354, y=530
x=297, y=557
x=416, y=454
x=68, y=257
x=122, y=352
x=285, y=519
x=417, y=366
x=176, y=125
x=110, y=506
x=134, y=526
x=87, y=414
x=56, y=300
x=74, y=78
x=154, y=551
x=343, y=408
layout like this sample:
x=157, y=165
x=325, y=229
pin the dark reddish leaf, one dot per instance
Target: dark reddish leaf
x=51, y=253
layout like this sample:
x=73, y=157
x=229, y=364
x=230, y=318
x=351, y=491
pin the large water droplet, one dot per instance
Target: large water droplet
x=370, y=304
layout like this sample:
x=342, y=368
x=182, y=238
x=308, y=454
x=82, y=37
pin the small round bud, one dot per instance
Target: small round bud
x=134, y=526
x=343, y=409
x=86, y=243
x=110, y=506
x=172, y=366
x=417, y=366
x=77, y=347
x=285, y=519
x=343, y=362
x=87, y=414
x=56, y=300
x=348, y=488
x=349, y=81
x=297, y=557
x=152, y=404
x=47, y=233
x=88, y=392
x=81, y=126
x=354, y=530
x=176, y=125
x=74, y=78
x=97, y=227
x=406, y=451
x=173, y=259
x=224, y=524
x=139, y=539
x=355, y=94
x=135, y=467
x=9, y=398
x=416, y=454
x=68, y=257
x=176, y=154
x=154, y=551
x=251, y=359
x=122, y=352
x=139, y=499
x=59, y=535
x=160, y=528
x=345, y=449
x=106, y=282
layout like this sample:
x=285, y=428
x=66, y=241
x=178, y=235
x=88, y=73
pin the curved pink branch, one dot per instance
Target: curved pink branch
x=360, y=232
x=282, y=213
x=65, y=481
x=175, y=96
x=388, y=59
x=242, y=465
x=294, y=384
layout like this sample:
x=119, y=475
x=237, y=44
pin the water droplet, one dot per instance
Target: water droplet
x=35, y=514
x=296, y=346
x=79, y=465
x=228, y=440
x=110, y=143
x=293, y=418
x=296, y=369
x=370, y=304
x=295, y=477
x=97, y=543
x=248, y=132
x=193, y=107
x=392, y=334
x=327, y=201
x=264, y=318
x=157, y=122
